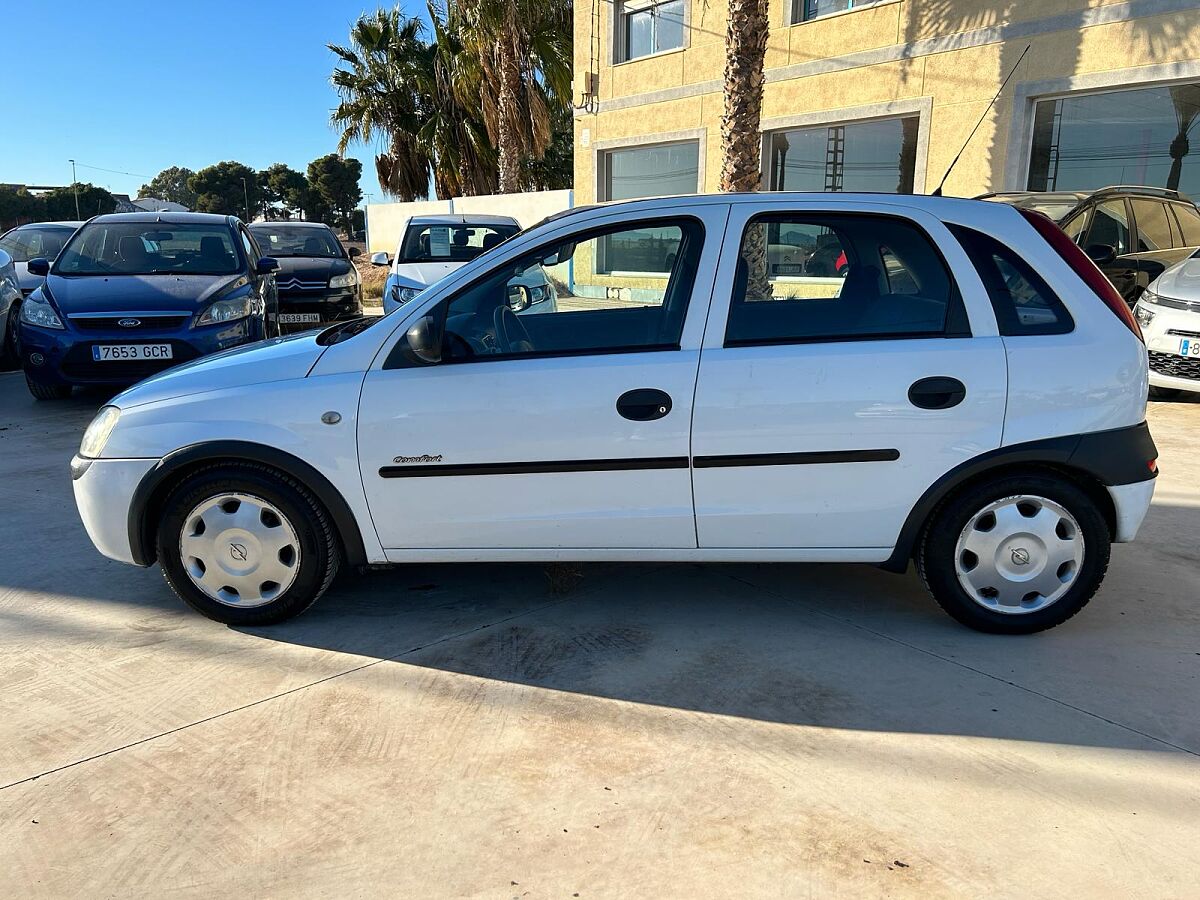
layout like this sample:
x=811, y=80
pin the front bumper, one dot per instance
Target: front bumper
x=104, y=490
x=329, y=306
x=1164, y=336
x=53, y=356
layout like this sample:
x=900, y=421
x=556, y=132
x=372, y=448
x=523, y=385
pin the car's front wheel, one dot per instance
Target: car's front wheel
x=42, y=391
x=1016, y=554
x=245, y=545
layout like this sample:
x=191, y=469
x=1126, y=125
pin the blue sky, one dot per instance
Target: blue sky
x=139, y=86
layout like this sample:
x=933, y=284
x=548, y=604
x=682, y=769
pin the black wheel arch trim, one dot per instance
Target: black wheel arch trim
x=1112, y=457
x=141, y=538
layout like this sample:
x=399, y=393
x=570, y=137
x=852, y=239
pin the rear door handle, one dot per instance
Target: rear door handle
x=644, y=404
x=938, y=392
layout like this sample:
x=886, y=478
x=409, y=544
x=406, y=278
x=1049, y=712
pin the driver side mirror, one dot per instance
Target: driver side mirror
x=424, y=342
x=39, y=266
x=380, y=259
x=354, y=251
x=519, y=298
x=1101, y=254
x=267, y=265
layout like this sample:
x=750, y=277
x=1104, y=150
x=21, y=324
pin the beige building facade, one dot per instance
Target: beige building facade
x=881, y=95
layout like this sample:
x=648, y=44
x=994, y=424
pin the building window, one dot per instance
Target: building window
x=803, y=10
x=862, y=156
x=655, y=171
x=1140, y=136
x=649, y=26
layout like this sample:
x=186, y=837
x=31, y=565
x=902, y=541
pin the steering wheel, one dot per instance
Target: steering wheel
x=511, y=334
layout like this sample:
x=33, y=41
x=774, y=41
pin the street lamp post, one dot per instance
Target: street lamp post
x=246, y=193
x=75, y=187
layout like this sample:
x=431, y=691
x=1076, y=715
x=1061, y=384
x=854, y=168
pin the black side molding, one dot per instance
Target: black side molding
x=810, y=458
x=1116, y=456
x=152, y=487
x=536, y=468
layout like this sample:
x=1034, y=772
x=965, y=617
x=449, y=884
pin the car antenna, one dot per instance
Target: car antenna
x=1012, y=71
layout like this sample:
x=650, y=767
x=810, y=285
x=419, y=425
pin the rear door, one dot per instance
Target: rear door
x=1159, y=242
x=565, y=429
x=826, y=405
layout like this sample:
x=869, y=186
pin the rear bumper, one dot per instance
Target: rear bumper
x=1131, y=502
x=104, y=489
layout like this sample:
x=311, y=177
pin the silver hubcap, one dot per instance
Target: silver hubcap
x=1019, y=554
x=239, y=550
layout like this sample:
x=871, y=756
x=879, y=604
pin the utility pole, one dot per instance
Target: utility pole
x=75, y=187
x=246, y=193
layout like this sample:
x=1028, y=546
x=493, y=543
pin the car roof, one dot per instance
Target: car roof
x=463, y=219
x=166, y=218
x=48, y=225
x=289, y=224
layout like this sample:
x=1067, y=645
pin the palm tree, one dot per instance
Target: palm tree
x=517, y=66
x=380, y=98
x=1186, y=100
x=745, y=53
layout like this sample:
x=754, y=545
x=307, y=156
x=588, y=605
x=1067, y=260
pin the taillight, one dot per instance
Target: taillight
x=1083, y=267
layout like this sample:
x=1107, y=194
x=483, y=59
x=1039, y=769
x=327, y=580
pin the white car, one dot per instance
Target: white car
x=433, y=246
x=1169, y=313
x=689, y=405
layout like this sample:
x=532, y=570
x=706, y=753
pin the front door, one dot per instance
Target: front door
x=559, y=413
x=832, y=395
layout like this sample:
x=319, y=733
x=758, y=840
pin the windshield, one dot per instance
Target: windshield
x=296, y=240
x=150, y=248
x=460, y=242
x=34, y=241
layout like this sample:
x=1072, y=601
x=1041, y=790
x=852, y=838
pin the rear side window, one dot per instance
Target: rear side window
x=802, y=278
x=1023, y=302
x=1155, y=230
x=1189, y=222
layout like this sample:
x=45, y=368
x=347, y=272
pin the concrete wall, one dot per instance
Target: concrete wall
x=384, y=220
x=943, y=59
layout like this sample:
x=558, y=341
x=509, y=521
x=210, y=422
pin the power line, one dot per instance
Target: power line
x=112, y=171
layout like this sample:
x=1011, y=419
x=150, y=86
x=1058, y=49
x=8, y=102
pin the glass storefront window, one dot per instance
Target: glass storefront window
x=1140, y=136
x=656, y=171
x=860, y=156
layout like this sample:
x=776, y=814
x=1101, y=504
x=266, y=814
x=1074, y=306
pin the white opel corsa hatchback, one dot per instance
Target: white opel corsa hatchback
x=965, y=390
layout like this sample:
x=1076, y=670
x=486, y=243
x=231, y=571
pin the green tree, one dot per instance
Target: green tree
x=171, y=184
x=220, y=189
x=283, y=185
x=333, y=183
x=518, y=55
x=58, y=205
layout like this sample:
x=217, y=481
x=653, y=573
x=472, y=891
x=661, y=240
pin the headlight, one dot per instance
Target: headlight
x=98, y=432
x=36, y=310
x=227, y=310
x=1144, y=316
x=404, y=294
x=348, y=280
x=1148, y=296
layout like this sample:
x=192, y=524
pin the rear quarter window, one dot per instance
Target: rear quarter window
x=1024, y=304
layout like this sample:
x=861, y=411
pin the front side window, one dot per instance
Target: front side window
x=1140, y=136
x=1075, y=228
x=283, y=240
x=837, y=277
x=24, y=244
x=803, y=10
x=458, y=242
x=660, y=170
x=557, y=301
x=1156, y=231
x=859, y=156
x=649, y=27
x=1110, y=226
x=150, y=248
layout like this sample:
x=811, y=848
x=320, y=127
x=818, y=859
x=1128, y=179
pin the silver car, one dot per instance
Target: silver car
x=10, y=293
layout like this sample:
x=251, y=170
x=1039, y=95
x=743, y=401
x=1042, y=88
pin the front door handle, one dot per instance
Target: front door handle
x=644, y=404
x=938, y=392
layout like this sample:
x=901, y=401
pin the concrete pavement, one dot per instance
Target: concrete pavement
x=675, y=730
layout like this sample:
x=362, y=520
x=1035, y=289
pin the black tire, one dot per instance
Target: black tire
x=936, y=552
x=320, y=553
x=47, y=391
x=1162, y=393
x=10, y=358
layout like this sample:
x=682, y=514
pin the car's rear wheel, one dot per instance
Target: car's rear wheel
x=47, y=391
x=245, y=545
x=1016, y=554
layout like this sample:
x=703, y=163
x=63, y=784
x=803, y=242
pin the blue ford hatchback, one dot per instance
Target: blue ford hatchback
x=134, y=293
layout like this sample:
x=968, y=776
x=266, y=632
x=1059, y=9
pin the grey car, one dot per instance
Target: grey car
x=10, y=293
